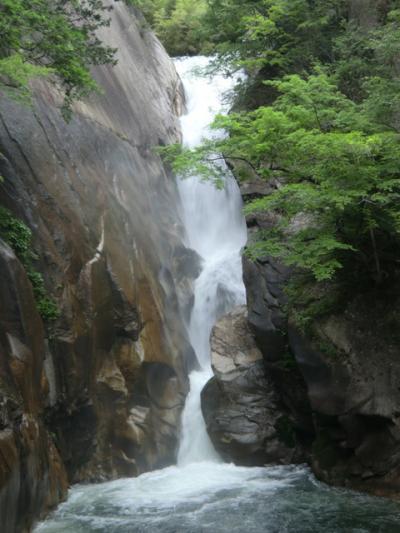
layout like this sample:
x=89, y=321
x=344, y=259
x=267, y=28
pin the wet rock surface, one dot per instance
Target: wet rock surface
x=80, y=398
x=32, y=475
x=245, y=419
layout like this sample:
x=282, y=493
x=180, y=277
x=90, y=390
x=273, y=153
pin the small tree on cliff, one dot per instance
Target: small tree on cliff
x=52, y=37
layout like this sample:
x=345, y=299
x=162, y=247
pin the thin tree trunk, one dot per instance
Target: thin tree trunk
x=376, y=256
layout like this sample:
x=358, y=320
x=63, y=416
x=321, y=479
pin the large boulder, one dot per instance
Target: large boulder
x=32, y=475
x=245, y=419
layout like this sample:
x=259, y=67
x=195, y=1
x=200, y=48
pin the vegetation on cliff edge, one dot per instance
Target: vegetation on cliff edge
x=179, y=24
x=52, y=38
x=19, y=237
x=326, y=138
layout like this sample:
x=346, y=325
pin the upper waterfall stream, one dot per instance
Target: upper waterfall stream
x=202, y=493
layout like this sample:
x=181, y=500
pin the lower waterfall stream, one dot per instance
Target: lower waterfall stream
x=201, y=493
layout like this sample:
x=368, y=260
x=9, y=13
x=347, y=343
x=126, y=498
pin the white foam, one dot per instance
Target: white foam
x=217, y=231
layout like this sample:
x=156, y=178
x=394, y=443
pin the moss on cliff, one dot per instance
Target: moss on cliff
x=19, y=237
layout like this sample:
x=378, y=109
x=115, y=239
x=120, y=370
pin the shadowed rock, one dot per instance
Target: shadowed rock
x=352, y=369
x=245, y=419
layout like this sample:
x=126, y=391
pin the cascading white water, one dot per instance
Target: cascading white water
x=216, y=230
x=201, y=493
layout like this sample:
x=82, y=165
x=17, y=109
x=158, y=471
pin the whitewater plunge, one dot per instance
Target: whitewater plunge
x=216, y=230
x=202, y=494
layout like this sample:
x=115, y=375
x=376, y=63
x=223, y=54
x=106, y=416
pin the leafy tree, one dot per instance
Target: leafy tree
x=283, y=35
x=178, y=23
x=179, y=26
x=52, y=37
x=326, y=135
x=339, y=192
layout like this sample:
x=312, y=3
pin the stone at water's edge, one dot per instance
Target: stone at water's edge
x=102, y=396
x=245, y=419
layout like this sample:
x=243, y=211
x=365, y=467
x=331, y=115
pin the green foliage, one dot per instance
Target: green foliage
x=367, y=68
x=148, y=8
x=308, y=300
x=52, y=37
x=330, y=138
x=16, y=234
x=178, y=23
x=327, y=348
x=19, y=238
x=18, y=73
x=341, y=187
x=179, y=26
x=200, y=162
x=281, y=35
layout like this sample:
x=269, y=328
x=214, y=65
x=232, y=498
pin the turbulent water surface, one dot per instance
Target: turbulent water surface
x=201, y=493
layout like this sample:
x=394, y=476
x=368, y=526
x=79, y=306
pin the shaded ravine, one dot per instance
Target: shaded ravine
x=201, y=493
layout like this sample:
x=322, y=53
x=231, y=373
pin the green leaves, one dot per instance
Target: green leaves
x=177, y=23
x=275, y=35
x=327, y=136
x=336, y=183
x=53, y=38
x=202, y=162
x=18, y=236
x=16, y=74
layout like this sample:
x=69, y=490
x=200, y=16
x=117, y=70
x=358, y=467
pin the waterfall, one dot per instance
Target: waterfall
x=216, y=230
x=202, y=493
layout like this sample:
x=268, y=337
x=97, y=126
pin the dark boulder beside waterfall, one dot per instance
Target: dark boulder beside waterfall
x=245, y=419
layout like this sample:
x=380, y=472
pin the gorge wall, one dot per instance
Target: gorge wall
x=328, y=396
x=98, y=392
x=330, y=391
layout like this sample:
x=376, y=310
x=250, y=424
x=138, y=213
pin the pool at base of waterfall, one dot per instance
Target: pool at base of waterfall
x=218, y=498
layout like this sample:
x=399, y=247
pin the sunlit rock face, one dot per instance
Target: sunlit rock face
x=32, y=476
x=101, y=393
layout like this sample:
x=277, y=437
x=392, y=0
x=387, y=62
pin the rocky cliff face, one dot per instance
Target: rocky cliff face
x=336, y=385
x=350, y=362
x=97, y=393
